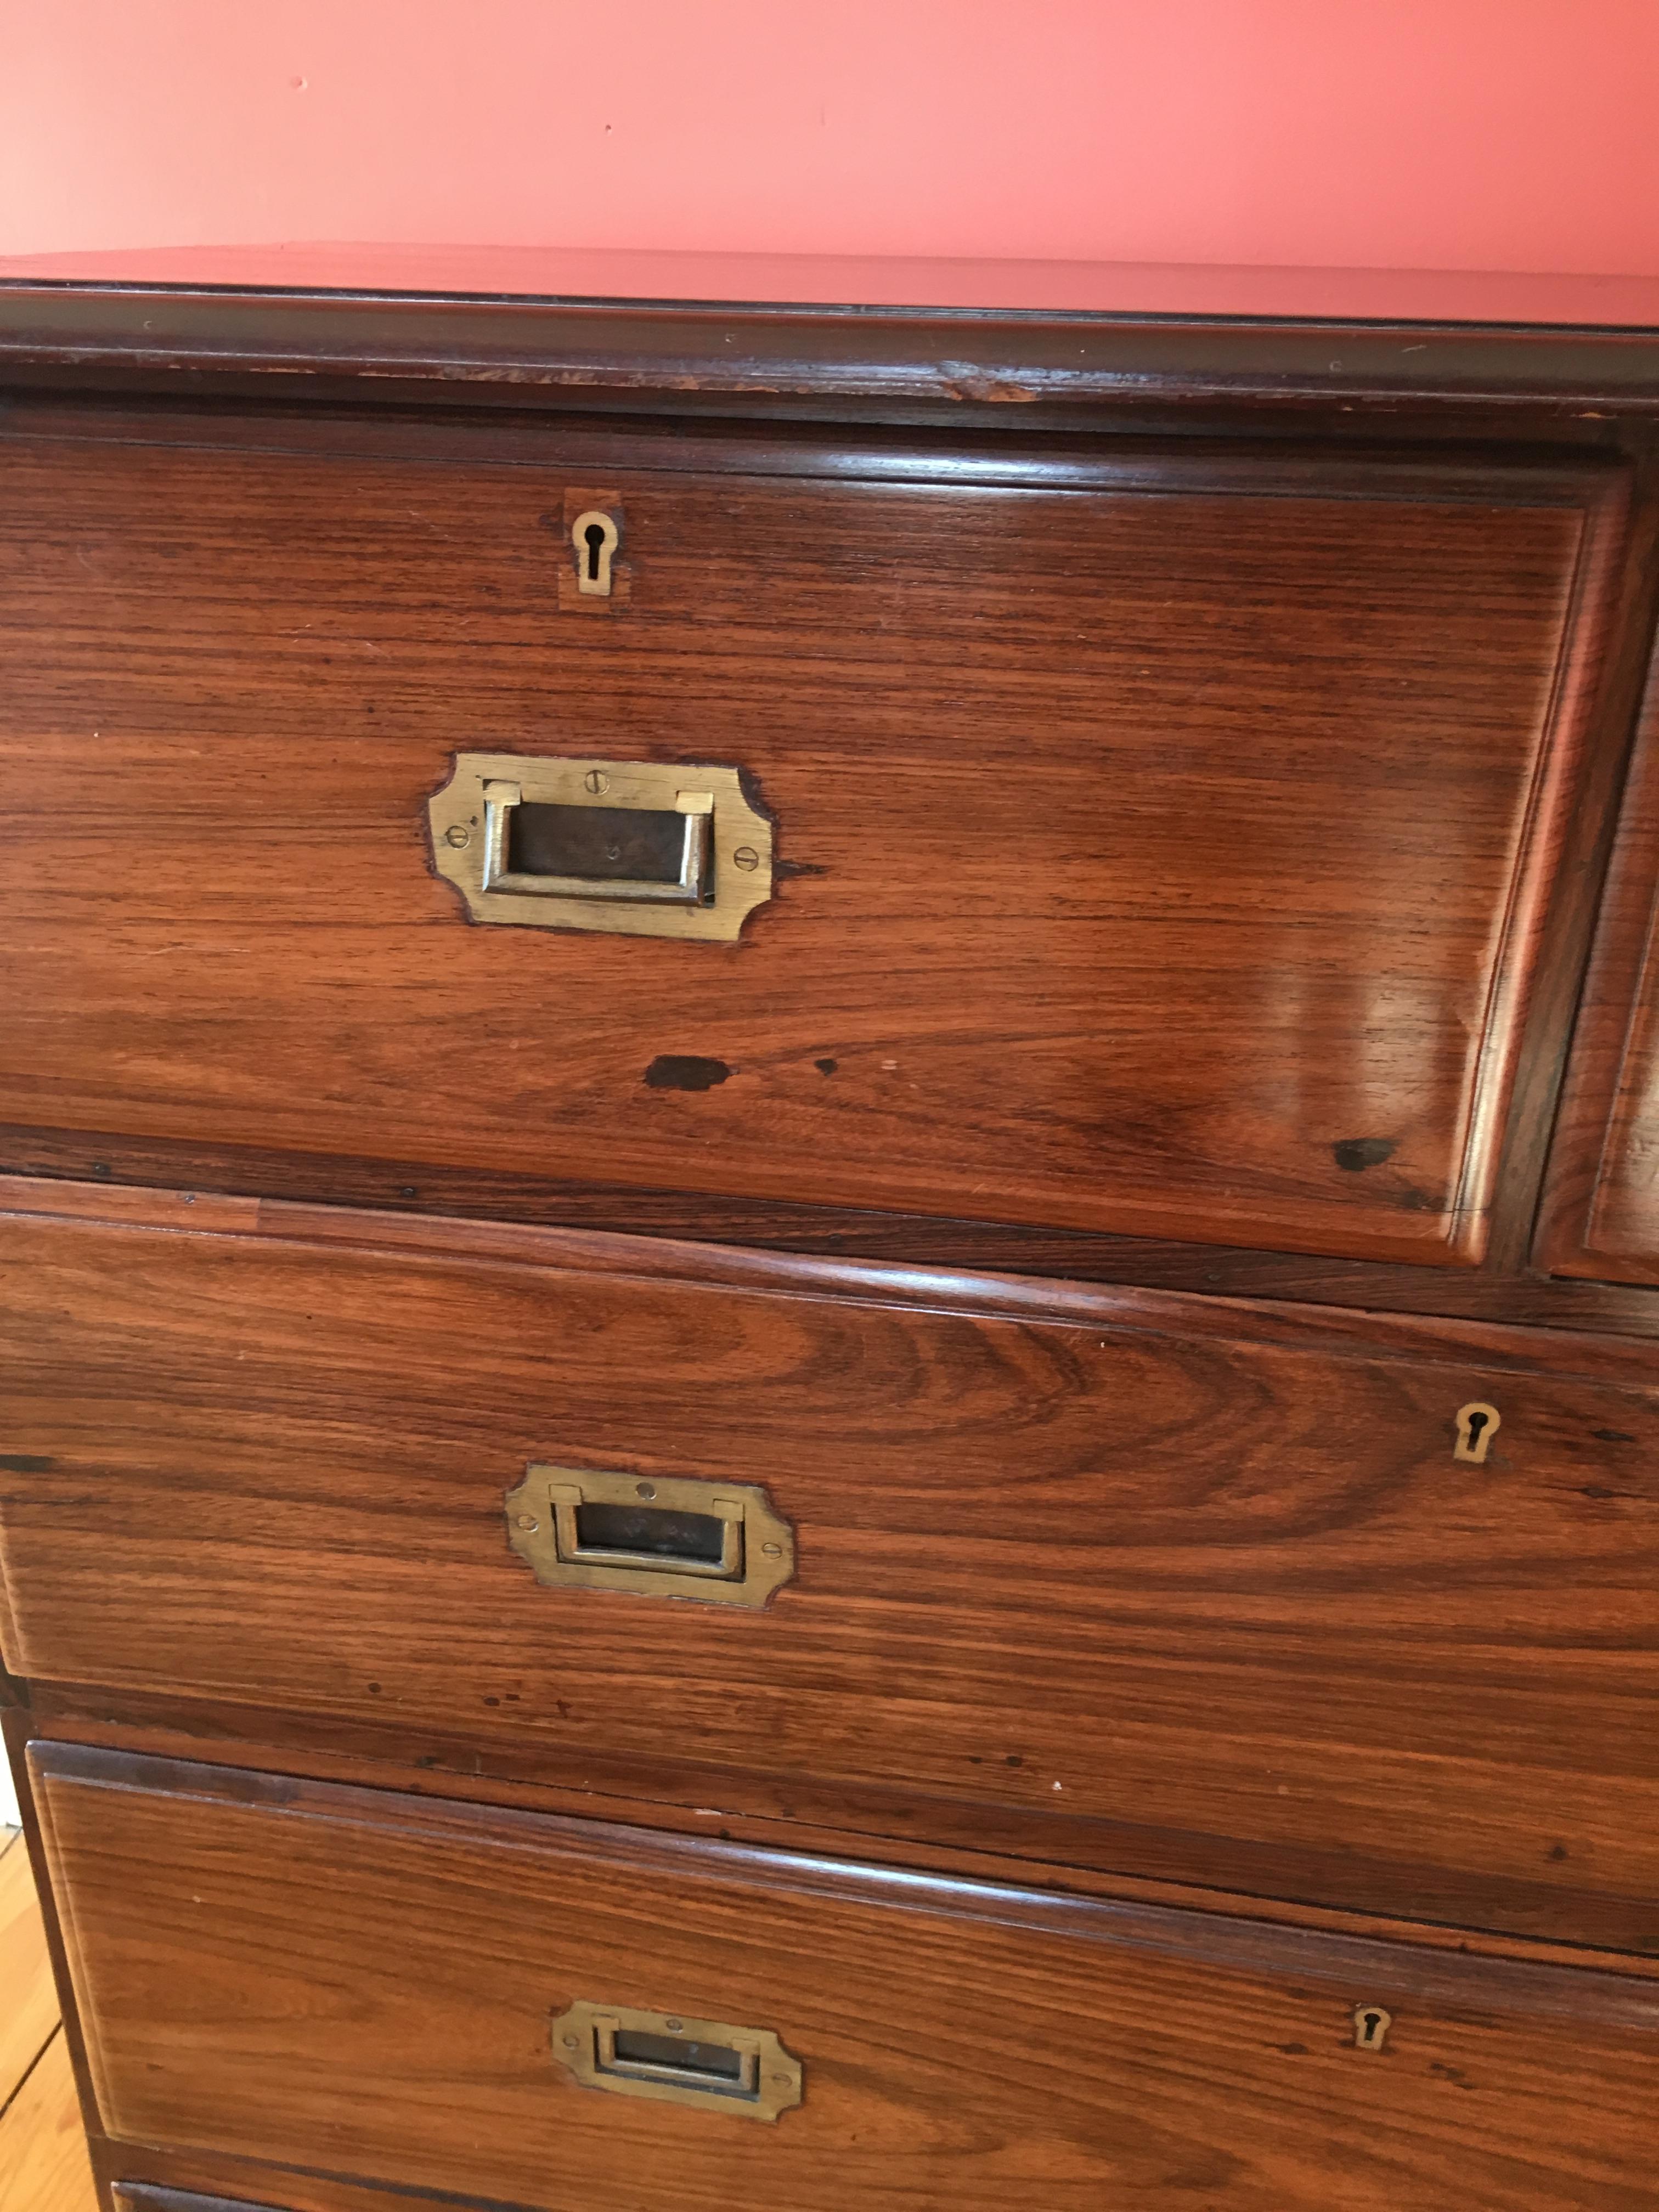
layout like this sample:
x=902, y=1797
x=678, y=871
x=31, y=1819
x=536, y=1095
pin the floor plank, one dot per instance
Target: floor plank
x=29, y=2014
x=44, y=2166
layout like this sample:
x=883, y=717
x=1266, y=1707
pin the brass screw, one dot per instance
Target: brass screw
x=596, y=780
x=781, y=2081
x=458, y=835
x=570, y=2042
x=746, y=857
x=773, y=1551
x=673, y=2026
x=646, y=1490
x=528, y=1520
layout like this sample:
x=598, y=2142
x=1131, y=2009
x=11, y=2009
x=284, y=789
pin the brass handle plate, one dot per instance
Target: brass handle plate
x=678, y=2060
x=669, y=1536
x=623, y=846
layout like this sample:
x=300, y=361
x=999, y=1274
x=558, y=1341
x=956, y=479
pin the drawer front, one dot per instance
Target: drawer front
x=1601, y=1216
x=1124, y=1586
x=380, y=1986
x=1161, y=840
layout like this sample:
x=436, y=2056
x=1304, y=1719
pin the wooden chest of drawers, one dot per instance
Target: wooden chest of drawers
x=829, y=1254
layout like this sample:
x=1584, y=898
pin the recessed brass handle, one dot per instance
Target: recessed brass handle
x=706, y=2063
x=624, y=846
x=519, y=832
x=664, y=1537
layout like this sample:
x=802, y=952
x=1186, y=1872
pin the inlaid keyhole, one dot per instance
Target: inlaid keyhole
x=1477, y=1424
x=593, y=538
x=1371, y=2026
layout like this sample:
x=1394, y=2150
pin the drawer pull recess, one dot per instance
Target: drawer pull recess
x=667, y=1537
x=678, y=2060
x=624, y=846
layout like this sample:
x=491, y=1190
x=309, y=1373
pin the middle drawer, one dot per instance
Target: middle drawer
x=1215, y=1594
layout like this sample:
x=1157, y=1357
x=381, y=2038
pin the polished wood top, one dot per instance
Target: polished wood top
x=1089, y=287
x=778, y=327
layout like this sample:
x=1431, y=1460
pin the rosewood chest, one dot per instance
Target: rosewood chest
x=829, y=1249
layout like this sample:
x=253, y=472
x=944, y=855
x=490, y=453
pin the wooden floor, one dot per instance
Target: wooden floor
x=43, y=2154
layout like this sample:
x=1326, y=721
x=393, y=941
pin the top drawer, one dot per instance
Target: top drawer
x=1160, y=836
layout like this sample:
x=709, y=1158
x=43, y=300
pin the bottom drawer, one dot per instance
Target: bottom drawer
x=440, y=1997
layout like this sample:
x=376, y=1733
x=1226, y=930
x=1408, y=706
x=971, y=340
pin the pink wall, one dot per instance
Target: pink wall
x=1436, y=133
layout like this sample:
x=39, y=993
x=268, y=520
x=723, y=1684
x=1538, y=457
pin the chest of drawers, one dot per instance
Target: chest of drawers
x=829, y=1254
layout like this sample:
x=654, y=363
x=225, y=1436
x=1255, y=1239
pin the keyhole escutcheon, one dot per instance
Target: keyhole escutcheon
x=593, y=540
x=1477, y=1424
x=1371, y=2026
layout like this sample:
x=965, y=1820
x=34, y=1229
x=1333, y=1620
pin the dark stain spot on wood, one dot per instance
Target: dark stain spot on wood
x=373, y=1689
x=675, y=1070
x=25, y=1463
x=1355, y=1153
x=1014, y=1759
x=1596, y=1491
x=101, y=1168
x=1293, y=2049
x=826, y=1067
x=407, y=1190
x=797, y=868
x=1455, y=2075
x=1558, y=1850
x=492, y=1701
x=1612, y=1436
x=430, y=1760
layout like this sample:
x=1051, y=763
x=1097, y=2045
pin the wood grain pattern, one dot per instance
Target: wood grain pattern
x=44, y=2165
x=1602, y=1207
x=1586, y=839
x=71, y=1163
x=1234, y=1597
x=28, y=2017
x=1511, y=1348
x=893, y=1826
x=1191, y=842
x=1170, y=858
x=257, y=1962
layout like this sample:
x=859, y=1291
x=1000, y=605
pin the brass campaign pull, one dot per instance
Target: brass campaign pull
x=624, y=846
x=678, y=2060
x=665, y=1537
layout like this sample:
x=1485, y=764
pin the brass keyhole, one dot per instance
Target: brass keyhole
x=1477, y=1424
x=1371, y=2026
x=594, y=539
